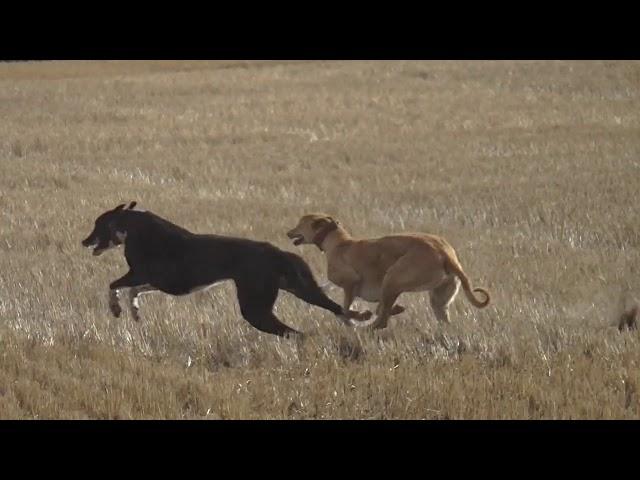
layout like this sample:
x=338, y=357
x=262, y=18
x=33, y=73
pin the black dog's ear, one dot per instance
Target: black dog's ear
x=119, y=207
x=132, y=204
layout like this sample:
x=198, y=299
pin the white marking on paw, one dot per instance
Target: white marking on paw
x=114, y=304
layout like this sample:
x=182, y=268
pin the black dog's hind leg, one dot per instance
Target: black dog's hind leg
x=315, y=296
x=298, y=280
x=128, y=280
x=256, y=301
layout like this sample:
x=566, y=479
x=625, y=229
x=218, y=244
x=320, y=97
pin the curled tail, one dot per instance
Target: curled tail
x=452, y=265
x=296, y=277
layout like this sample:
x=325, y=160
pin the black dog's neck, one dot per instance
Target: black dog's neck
x=135, y=220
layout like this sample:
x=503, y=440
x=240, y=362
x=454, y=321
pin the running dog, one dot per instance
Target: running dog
x=380, y=269
x=168, y=258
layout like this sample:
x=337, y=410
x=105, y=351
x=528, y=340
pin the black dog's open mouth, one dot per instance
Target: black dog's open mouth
x=97, y=249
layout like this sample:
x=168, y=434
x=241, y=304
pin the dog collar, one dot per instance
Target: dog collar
x=322, y=234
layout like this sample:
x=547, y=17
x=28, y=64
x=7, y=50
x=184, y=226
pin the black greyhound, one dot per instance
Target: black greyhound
x=165, y=257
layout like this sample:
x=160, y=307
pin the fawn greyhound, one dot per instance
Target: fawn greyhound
x=380, y=269
x=165, y=257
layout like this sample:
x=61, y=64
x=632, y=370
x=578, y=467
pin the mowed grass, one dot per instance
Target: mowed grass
x=530, y=169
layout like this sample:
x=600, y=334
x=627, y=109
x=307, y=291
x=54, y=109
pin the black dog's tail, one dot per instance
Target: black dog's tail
x=296, y=277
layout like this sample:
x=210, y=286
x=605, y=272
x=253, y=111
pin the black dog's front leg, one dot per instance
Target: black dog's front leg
x=128, y=280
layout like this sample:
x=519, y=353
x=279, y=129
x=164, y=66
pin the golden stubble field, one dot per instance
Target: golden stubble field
x=530, y=169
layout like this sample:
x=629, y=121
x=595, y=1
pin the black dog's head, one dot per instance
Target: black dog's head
x=109, y=231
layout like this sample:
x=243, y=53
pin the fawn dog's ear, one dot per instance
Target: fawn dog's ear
x=316, y=224
x=132, y=204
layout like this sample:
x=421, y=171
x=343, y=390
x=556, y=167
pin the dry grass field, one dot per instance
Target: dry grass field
x=530, y=169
